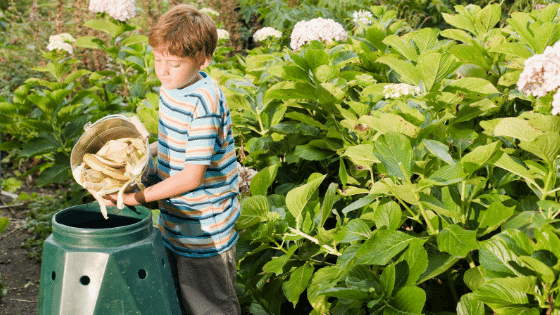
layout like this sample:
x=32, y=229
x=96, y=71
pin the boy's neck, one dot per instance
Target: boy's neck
x=195, y=79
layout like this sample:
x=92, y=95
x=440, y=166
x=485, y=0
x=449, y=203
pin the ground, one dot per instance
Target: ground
x=19, y=273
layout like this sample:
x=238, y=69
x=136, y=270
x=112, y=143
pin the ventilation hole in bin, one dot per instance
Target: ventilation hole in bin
x=53, y=275
x=163, y=262
x=142, y=274
x=84, y=280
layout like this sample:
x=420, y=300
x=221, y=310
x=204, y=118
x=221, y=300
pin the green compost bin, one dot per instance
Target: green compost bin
x=95, y=266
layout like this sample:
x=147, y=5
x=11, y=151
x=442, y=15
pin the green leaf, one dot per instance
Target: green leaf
x=497, y=254
x=545, y=146
x=518, y=128
x=437, y=264
x=76, y=75
x=408, y=300
x=112, y=28
x=544, y=272
x=263, y=179
x=480, y=156
x=456, y=241
x=276, y=264
x=316, y=58
x=354, y=230
x=434, y=67
x=4, y=222
x=507, y=163
x=471, y=54
x=328, y=202
x=460, y=21
x=56, y=174
x=389, y=122
x=344, y=293
x=45, y=104
x=512, y=49
x=361, y=154
x=447, y=175
x=439, y=149
x=383, y=246
x=325, y=277
x=325, y=73
x=415, y=258
x=297, y=198
x=253, y=211
x=406, y=49
x=494, y=216
x=289, y=73
x=498, y=296
x=329, y=93
x=471, y=86
x=90, y=42
x=134, y=39
x=387, y=280
x=475, y=277
x=468, y=305
x=40, y=145
x=312, y=153
x=299, y=279
x=388, y=215
x=405, y=69
x=395, y=152
x=287, y=90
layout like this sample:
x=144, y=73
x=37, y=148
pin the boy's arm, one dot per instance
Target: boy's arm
x=187, y=179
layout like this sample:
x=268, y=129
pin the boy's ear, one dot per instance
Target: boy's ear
x=205, y=62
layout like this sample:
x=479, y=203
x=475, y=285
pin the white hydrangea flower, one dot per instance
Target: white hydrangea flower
x=209, y=11
x=61, y=46
x=62, y=37
x=121, y=10
x=265, y=32
x=541, y=73
x=362, y=17
x=400, y=89
x=323, y=30
x=223, y=34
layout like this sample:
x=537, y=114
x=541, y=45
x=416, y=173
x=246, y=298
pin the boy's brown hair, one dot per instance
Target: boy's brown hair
x=184, y=32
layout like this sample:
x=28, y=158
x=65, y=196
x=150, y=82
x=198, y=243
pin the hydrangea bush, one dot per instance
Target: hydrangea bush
x=319, y=29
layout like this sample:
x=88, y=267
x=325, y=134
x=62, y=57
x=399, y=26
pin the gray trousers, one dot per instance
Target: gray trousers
x=205, y=286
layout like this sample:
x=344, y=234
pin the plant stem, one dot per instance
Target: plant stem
x=425, y=216
x=329, y=249
x=452, y=286
x=470, y=260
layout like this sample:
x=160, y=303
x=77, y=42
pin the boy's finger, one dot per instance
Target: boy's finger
x=140, y=126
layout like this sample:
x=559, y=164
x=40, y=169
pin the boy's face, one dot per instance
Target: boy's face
x=178, y=72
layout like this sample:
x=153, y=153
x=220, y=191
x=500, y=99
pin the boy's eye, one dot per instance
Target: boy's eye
x=175, y=65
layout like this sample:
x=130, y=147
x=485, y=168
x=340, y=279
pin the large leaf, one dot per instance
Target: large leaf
x=506, y=162
x=297, y=198
x=480, y=156
x=405, y=48
x=276, y=264
x=263, y=179
x=494, y=216
x=474, y=87
x=468, y=305
x=289, y=73
x=112, y=28
x=354, y=230
x=387, y=215
x=299, y=279
x=456, y=241
x=395, y=152
x=328, y=202
x=439, y=149
x=498, y=296
x=383, y=246
x=518, y=128
x=412, y=263
x=434, y=67
x=408, y=300
x=545, y=146
x=438, y=263
x=56, y=174
x=408, y=72
x=253, y=211
x=361, y=154
x=499, y=254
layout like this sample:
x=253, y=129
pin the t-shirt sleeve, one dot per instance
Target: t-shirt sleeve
x=203, y=134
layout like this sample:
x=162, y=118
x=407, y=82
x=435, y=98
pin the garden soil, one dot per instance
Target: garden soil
x=19, y=273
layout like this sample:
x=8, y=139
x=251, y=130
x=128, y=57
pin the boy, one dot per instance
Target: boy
x=197, y=167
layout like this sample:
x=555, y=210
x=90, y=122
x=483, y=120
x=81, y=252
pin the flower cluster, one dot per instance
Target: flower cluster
x=61, y=41
x=362, y=17
x=246, y=175
x=541, y=75
x=323, y=30
x=121, y=10
x=223, y=34
x=209, y=11
x=401, y=89
x=266, y=32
